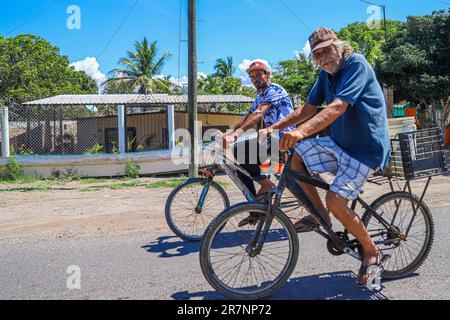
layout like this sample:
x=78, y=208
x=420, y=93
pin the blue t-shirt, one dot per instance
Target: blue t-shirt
x=281, y=105
x=362, y=131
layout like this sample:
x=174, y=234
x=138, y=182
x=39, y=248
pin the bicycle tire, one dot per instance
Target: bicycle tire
x=422, y=211
x=221, y=223
x=176, y=225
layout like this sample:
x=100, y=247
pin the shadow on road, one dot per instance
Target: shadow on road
x=169, y=248
x=328, y=286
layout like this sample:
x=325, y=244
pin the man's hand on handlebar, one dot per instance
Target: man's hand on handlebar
x=290, y=139
x=227, y=139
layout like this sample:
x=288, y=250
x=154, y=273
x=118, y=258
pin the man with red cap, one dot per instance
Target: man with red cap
x=359, y=143
x=271, y=105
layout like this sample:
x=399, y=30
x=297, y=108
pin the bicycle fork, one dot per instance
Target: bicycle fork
x=262, y=229
x=209, y=176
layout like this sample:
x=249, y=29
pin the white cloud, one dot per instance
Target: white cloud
x=246, y=81
x=183, y=81
x=92, y=69
x=306, y=49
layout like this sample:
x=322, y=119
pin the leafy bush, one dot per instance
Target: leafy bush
x=132, y=169
x=13, y=170
x=97, y=149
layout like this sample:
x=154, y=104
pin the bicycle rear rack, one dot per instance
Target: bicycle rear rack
x=415, y=155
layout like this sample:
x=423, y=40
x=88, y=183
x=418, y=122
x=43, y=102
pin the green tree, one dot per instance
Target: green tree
x=141, y=69
x=297, y=76
x=31, y=68
x=416, y=63
x=224, y=67
x=369, y=41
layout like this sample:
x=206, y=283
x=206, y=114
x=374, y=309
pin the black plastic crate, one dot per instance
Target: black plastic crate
x=418, y=154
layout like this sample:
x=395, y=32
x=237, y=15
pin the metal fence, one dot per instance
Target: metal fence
x=76, y=129
x=58, y=130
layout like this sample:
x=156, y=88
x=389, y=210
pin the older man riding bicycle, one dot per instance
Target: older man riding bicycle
x=359, y=143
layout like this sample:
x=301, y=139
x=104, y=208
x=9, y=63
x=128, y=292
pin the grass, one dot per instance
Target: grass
x=172, y=183
x=27, y=178
x=114, y=184
x=45, y=185
x=93, y=180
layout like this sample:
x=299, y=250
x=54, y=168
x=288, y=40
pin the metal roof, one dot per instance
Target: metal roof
x=136, y=99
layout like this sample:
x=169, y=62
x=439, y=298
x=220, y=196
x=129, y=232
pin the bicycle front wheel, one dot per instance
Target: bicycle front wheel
x=183, y=214
x=409, y=251
x=227, y=264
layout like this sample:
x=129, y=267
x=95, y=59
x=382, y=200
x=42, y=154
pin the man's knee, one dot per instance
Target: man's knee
x=336, y=203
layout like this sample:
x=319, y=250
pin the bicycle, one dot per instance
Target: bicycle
x=255, y=261
x=192, y=205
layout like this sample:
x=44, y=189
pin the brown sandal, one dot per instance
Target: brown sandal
x=252, y=219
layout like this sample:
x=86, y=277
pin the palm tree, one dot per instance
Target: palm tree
x=141, y=69
x=224, y=67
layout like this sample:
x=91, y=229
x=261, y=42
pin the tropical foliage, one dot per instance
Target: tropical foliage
x=32, y=68
x=141, y=71
x=416, y=63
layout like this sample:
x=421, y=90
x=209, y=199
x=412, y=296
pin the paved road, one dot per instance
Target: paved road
x=164, y=267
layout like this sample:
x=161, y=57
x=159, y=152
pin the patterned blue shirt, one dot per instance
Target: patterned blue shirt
x=281, y=105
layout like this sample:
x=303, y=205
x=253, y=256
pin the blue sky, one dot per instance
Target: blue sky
x=244, y=29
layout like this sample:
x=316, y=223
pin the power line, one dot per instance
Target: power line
x=292, y=12
x=118, y=28
x=374, y=4
x=34, y=17
x=442, y=2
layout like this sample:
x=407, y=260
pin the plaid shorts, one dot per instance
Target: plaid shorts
x=324, y=155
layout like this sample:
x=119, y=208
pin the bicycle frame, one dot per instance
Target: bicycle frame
x=289, y=179
x=224, y=165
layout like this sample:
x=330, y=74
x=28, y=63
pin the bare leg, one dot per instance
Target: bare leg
x=311, y=191
x=266, y=185
x=339, y=207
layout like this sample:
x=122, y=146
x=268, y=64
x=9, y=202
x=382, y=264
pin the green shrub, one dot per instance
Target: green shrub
x=132, y=169
x=56, y=174
x=24, y=151
x=71, y=174
x=13, y=170
x=95, y=149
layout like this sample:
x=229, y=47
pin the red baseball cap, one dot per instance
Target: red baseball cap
x=258, y=65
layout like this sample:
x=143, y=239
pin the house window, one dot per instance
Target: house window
x=112, y=140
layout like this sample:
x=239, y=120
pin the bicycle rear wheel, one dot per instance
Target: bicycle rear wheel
x=408, y=254
x=182, y=213
x=229, y=268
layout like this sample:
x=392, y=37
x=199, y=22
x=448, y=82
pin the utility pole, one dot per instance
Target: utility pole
x=385, y=24
x=192, y=87
x=388, y=91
